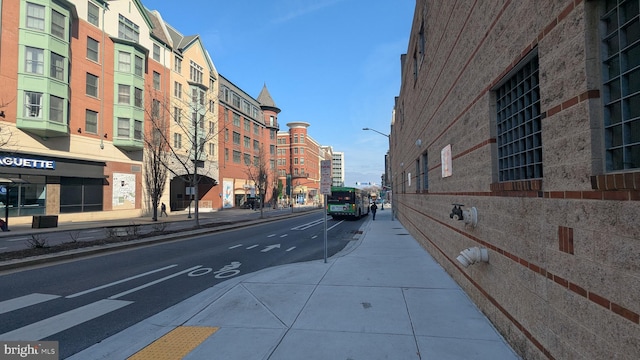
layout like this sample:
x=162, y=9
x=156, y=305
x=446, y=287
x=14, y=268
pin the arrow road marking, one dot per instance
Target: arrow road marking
x=270, y=247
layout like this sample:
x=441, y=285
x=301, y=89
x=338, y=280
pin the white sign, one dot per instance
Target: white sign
x=445, y=158
x=325, y=177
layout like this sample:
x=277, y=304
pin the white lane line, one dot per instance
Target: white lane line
x=85, y=238
x=24, y=301
x=308, y=225
x=314, y=236
x=55, y=324
x=154, y=282
x=235, y=246
x=283, y=235
x=2, y=248
x=291, y=248
x=91, y=231
x=252, y=246
x=18, y=239
x=335, y=225
x=119, y=281
x=272, y=235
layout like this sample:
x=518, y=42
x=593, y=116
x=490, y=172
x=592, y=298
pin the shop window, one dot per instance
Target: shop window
x=80, y=195
x=26, y=199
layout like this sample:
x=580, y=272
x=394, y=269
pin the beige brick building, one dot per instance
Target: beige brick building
x=530, y=114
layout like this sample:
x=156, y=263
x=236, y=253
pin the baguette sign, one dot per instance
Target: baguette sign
x=11, y=161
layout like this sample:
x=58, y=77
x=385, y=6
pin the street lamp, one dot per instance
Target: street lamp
x=393, y=203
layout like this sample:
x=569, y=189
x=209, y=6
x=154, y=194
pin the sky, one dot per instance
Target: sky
x=334, y=64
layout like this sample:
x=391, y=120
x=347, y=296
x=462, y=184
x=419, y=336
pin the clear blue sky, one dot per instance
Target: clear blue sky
x=332, y=63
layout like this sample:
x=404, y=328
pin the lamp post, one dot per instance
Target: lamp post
x=393, y=203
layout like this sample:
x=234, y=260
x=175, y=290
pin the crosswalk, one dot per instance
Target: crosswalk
x=49, y=326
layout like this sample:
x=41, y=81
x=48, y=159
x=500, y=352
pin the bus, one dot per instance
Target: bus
x=347, y=202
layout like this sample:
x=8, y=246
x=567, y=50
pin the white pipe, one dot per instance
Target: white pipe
x=473, y=255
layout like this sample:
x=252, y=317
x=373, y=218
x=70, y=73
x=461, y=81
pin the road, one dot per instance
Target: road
x=84, y=301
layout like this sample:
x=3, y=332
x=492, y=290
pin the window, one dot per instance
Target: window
x=256, y=145
x=236, y=138
x=33, y=104
x=226, y=154
x=247, y=141
x=139, y=65
x=177, y=114
x=177, y=89
x=137, y=129
x=35, y=16
x=212, y=127
x=212, y=149
x=301, y=138
x=295, y=161
x=226, y=134
x=93, y=49
x=177, y=65
x=295, y=138
x=621, y=88
x=247, y=159
x=256, y=129
x=301, y=161
x=295, y=150
x=247, y=125
x=519, y=136
x=236, y=120
x=91, y=122
x=56, y=109
x=34, y=60
x=137, y=98
x=92, y=85
x=124, y=94
x=127, y=29
x=156, y=80
x=177, y=140
x=195, y=72
x=80, y=194
x=58, y=25
x=271, y=120
x=156, y=52
x=57, y=66
x=124, y=61
x=425, y=172
x=123, y=127
x=418, y=188
x=236, y=100
x=236, y=156
x=93, y=14
x=272, y=149
x=212, y=105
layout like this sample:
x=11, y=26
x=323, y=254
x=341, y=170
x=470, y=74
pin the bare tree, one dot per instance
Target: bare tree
x=258, y=172
x=192, y=125
x=156, y=156
x=5, y=132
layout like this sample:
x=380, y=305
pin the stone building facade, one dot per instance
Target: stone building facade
x=530, y=115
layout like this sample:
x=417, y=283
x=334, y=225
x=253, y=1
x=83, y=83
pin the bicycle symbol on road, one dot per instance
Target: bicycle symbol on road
x=228, y=270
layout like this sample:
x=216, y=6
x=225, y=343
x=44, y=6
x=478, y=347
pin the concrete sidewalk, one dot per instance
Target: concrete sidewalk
x=384, y=297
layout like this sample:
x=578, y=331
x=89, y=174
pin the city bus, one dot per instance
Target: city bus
x=347, y=202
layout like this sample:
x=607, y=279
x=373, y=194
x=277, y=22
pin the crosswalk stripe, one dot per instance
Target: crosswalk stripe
x=24, y=301
x=55, y=324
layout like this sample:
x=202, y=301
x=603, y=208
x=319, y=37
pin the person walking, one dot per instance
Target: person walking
x=374, y=207
x=163, y=210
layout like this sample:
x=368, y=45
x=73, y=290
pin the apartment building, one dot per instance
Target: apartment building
x=248, y=137
x=337, y=168
x=527, y=116
x=298, y=158
x=77, y=77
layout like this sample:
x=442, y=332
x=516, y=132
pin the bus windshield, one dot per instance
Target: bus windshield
x=341, y=197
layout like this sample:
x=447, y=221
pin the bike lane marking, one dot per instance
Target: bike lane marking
x=143, y=286
x=24, y=301
x=119, y=281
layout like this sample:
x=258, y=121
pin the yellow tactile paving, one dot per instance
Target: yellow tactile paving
x=175, y=344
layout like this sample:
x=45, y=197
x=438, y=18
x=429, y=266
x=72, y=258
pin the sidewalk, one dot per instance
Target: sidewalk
x=383, y=297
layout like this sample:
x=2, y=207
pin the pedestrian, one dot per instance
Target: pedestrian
x=374, y=207
x=163, y=210
x=3, y=225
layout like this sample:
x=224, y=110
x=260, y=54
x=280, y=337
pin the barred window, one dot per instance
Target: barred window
x=621, y=88
x=519, y=135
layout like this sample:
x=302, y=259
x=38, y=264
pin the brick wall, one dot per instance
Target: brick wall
x=563, y=279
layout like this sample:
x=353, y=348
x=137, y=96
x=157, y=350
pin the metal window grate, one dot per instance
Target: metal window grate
x=621, y=88
x=519, y=135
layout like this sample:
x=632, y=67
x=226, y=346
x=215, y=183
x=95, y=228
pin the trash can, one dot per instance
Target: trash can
x=44, y=221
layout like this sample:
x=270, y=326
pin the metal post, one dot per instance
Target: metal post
x=324, y=213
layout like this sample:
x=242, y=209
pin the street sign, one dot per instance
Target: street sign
x=325, y=177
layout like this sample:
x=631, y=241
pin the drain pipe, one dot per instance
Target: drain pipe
x=473, y=255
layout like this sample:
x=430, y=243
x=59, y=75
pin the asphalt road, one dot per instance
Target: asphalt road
x=80, y=302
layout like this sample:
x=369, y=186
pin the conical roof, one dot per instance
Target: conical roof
x=266, y=100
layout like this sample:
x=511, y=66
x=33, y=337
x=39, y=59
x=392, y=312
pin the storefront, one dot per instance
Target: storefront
x=37, y=185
